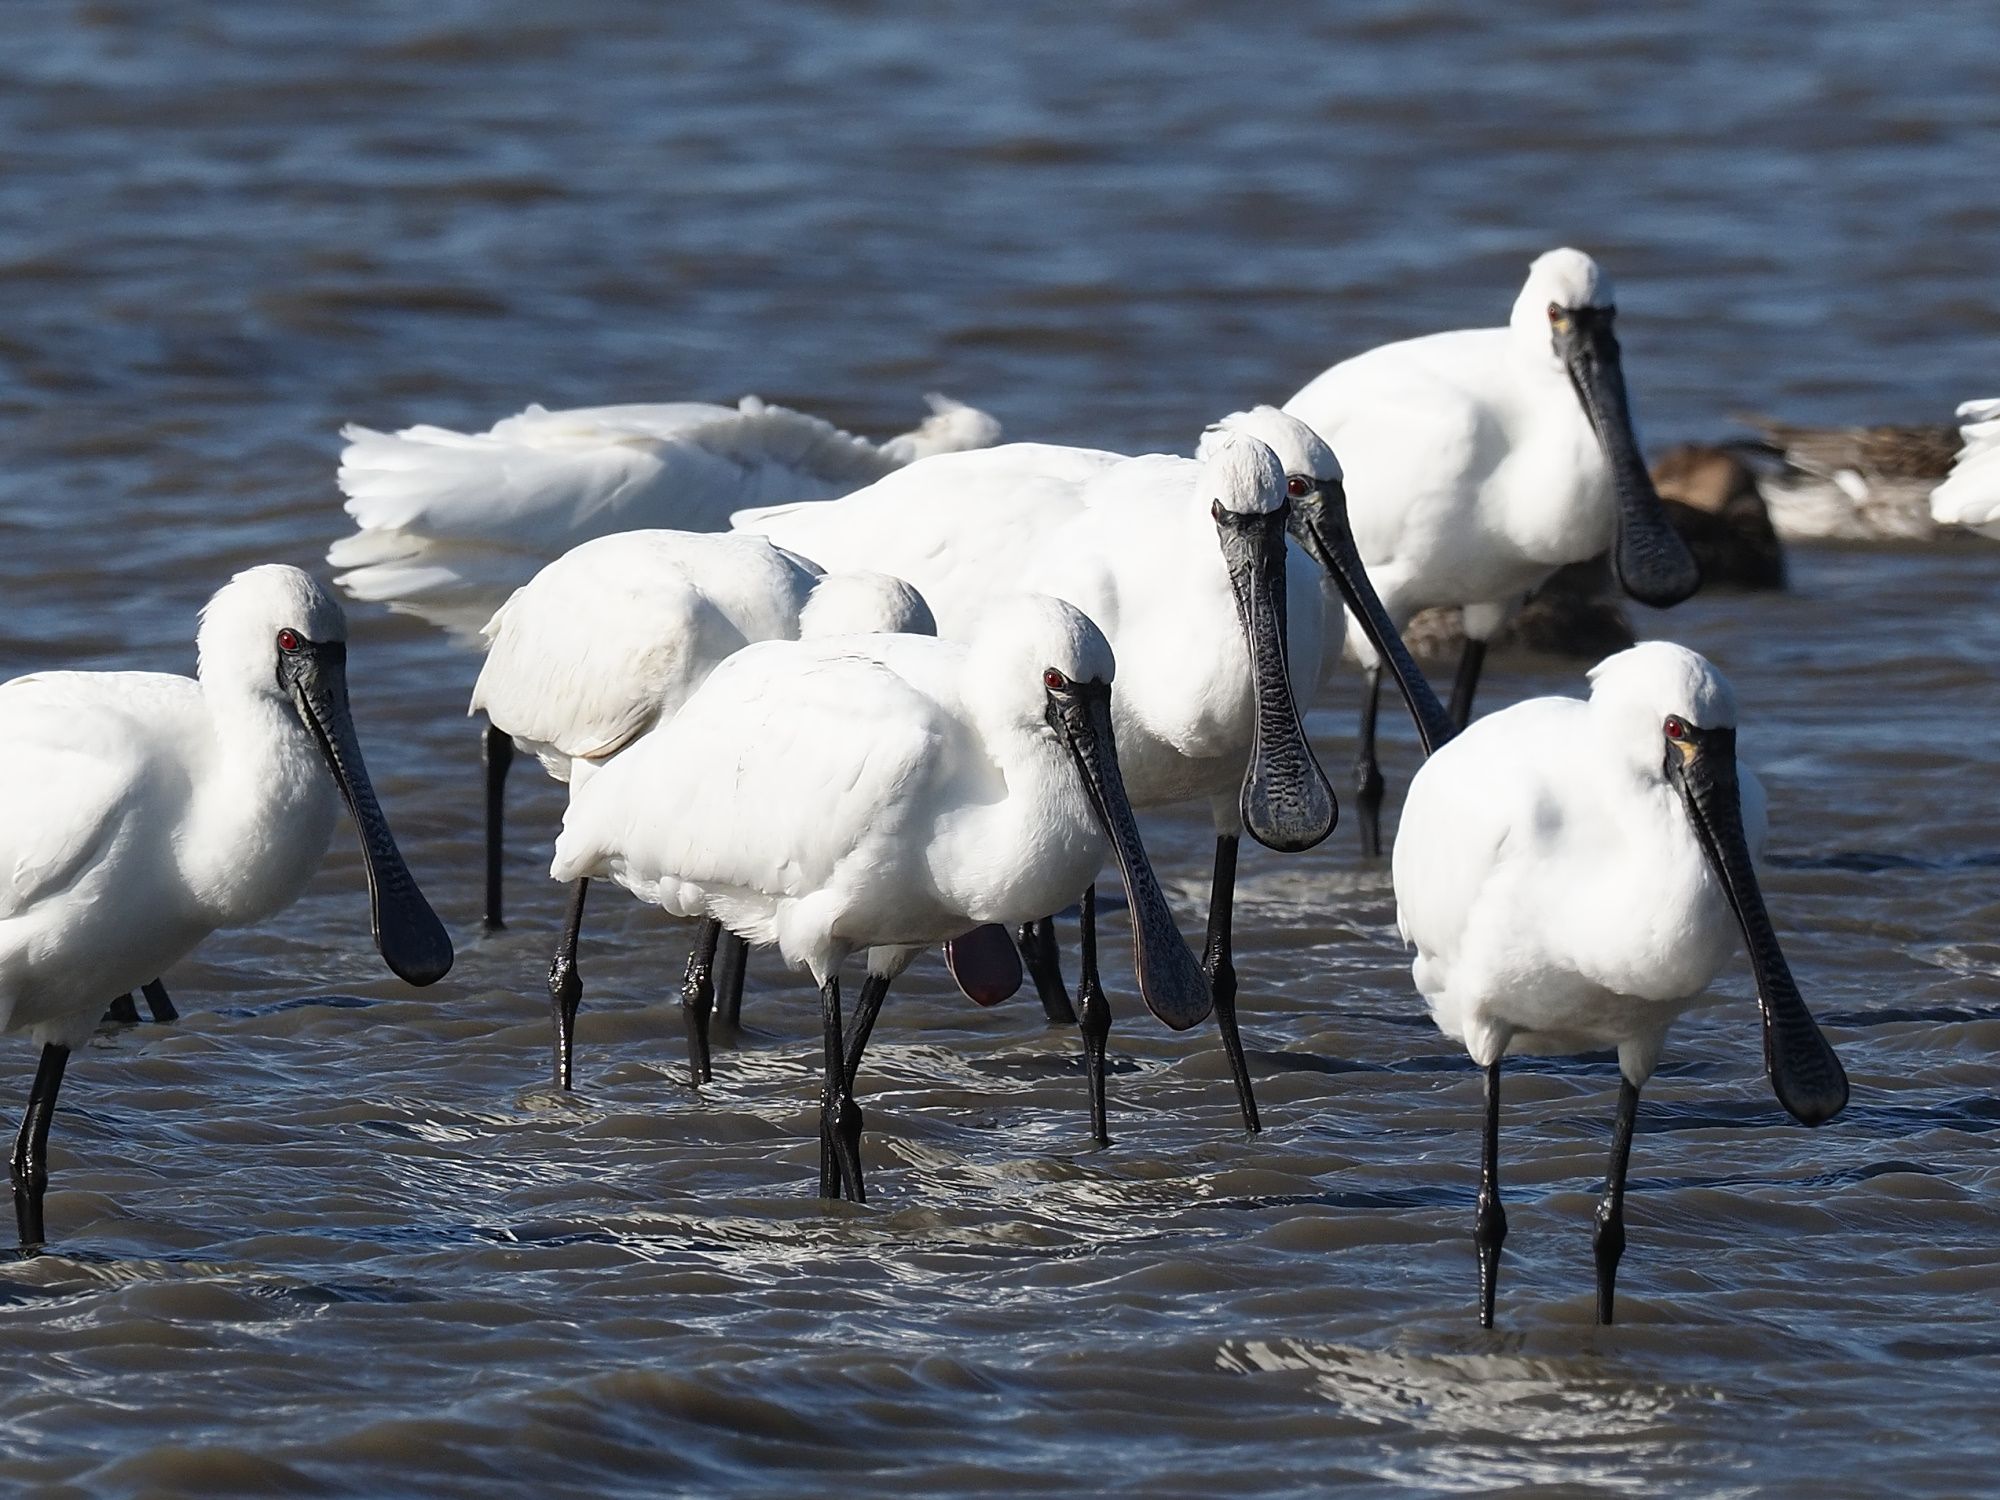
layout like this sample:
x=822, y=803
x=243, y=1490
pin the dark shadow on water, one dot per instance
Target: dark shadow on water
x=301, y=1002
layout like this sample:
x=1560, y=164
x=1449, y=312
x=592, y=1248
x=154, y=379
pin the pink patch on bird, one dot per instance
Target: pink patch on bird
x=985, y=963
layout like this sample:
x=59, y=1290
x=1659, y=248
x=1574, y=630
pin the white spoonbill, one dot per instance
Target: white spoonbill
x=610, y=638
x=1183, y=563
x=1480, y=461
x=885, y=792
x=1970, y=494
x=448, y=524
x=141, y=811
x=1573, y=875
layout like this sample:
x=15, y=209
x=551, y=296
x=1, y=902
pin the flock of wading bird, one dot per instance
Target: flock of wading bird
x=925, y=711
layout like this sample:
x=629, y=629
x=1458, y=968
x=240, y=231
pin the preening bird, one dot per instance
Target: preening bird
x=609, y=639
x=886, y=792
x=1185, y=566
x=1573, y=875
x=141, y=811
x=1479, y=461
x=448, y=524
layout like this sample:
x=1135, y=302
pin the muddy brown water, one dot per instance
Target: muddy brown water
x=330, y=1235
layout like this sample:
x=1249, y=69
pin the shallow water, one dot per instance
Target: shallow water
x=332, y=1235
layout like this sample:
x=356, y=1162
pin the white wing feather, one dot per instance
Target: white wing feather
x=1368, y=409
x=961, y=528
x=448, y=523
x=1970, y=494
x=74, y=751
x=596, y=647
x=790, y=761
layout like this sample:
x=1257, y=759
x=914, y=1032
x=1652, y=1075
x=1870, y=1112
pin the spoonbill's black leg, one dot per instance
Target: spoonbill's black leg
x=1490, y=1227
x=159, y=1002
x=499, y=755
x=125, y=1012
x=566, y=984
x=730, y=961
x=1608, y=1241
x=873, y=989
x=1367, y=774
x=698, y=998
x=1042, y=958
x=840, y=1167
x=1215, y=962
x=1095, y=1023
x=1466, y=683
x=31, y=1146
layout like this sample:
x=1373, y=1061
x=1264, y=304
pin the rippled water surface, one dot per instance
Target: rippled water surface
x=330, y=1235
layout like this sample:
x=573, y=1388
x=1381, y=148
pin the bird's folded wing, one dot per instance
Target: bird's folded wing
x=781, y=765
x=588, y=669
x=961, y=528
x=1405, y=437
x=1467, y=814
x=72, y=773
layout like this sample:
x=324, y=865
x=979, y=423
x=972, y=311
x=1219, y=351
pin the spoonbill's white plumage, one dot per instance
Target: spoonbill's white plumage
x=1573, y=875
x=608, y=640
x=141, y=811
x=1183, y=564
x=1970, y=494
x=449, y=523
x=1480, y=461
x=885, y=792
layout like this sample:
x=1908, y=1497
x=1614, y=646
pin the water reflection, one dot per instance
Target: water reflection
x=1489, y=1421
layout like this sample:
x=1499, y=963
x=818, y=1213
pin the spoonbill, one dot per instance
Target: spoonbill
x=141, y=811
x=886, y=792
x=1480, y=461
x=448, y=524
x=1572, y=875
x=1970, y=495
x=1183, y=563
x=610, y=638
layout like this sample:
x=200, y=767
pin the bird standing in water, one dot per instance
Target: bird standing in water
x=1478, y=462
x=608, y=640
x=886, y=792
x=1185, y=564
x=1573, y=875
x=448, y=524
x=141, y=811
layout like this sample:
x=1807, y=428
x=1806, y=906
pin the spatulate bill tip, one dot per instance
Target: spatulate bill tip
x=416, y=948
x=1657, y=570
x=1291, y=822
x=1183, y=1001
x=1806, y=1076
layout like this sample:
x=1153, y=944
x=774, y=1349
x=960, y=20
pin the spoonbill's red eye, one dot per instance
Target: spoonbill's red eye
x=1555, y=313
x=1676, y=727
x=288, y=640
x=1054, y=680
x=1216, y=510
x=1298, y=486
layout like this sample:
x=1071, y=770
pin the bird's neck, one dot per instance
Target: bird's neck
x=264, y=810
x=1030, y=849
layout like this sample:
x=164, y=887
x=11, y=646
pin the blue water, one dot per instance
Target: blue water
x=329, y=1247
